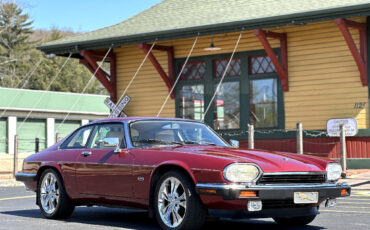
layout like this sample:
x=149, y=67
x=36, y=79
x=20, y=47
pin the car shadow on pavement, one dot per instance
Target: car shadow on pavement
x=123, y=218
x=260, y=224
x=133, y=219
x=31, y=213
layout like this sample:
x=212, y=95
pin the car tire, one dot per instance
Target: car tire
x=52, y=197
x=295, y=221
x=180, y=208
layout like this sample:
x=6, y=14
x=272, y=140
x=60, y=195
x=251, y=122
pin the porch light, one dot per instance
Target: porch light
x=212, y=47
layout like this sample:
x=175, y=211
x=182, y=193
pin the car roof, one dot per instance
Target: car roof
x=139, y=119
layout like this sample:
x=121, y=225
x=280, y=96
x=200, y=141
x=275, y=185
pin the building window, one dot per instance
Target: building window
x=193, y=71
x=249, y=94
x=227, y=102
x=192, y=101
x=263, y=103
x=192, y=91
x=260, y=65
x=227, y=106
x=220, y=65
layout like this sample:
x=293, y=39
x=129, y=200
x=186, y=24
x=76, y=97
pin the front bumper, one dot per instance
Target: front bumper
x=272, y=192
x=25, y=177
x=29, y=180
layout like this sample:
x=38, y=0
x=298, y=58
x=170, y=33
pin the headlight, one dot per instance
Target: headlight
x=333, y=171
x=241, y=172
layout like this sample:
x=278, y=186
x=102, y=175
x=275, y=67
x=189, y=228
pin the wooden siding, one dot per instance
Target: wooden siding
x=324, y=81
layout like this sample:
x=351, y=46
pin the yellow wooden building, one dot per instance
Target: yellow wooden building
x=294, y=61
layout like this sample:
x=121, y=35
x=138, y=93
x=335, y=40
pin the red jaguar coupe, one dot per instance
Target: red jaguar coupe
x=180, y=171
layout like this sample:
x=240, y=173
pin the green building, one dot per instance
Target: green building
x=49, y=109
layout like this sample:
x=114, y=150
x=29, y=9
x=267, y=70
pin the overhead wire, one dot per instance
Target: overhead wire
x=47, y=89
x=85, y=88
x=178, y=77
x=134, y=76
x=27, y=77
x=223, y=76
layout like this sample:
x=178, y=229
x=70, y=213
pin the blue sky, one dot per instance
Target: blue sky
x=82, y=15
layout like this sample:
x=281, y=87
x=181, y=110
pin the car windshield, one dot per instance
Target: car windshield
x=154, y=133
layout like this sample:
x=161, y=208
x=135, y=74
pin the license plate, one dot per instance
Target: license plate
x=306, y=197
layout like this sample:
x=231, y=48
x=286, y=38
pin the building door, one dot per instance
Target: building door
x=28, y=132
x=3, y=136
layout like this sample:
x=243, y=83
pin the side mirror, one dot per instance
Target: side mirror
x=117, y=150
x=234, y=143
x=110, y=142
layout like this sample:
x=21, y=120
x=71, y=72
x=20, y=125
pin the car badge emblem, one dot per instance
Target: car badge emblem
x=285, y=159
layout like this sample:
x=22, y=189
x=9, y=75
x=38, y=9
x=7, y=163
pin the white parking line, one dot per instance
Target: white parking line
x=344, y=199
x=345, y=202
x=339, y=206
x=345, y=211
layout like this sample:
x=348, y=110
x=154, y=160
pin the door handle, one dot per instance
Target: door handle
x=86, y=154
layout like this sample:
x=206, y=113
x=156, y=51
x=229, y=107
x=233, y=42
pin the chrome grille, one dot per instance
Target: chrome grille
x=294, y=178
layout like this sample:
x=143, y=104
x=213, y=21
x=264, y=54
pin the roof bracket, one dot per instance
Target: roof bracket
x=109, y=80
x=281, y=67
x=168, y=79
x=359, y=56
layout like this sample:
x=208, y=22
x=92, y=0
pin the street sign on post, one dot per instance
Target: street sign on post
x=333, y=127
x=117, y=109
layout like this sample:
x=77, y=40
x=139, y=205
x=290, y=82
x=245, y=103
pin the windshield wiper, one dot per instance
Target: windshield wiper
x=208, y=143
x=156, y=141
x=197, y=143
x=176, y=142
x=190, y=143
x=151, y=141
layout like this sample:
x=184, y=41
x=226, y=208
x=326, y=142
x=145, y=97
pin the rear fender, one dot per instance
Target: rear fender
x=53, y=165
x=49, y=165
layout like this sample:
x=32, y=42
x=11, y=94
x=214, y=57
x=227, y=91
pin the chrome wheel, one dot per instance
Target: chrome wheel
x=49, y=193
x=172, y=202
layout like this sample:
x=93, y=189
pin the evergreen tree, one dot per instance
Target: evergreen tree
x=19, y=57
x=14, y=28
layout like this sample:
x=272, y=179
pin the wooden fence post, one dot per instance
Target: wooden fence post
x=250, y=136
x=15, y=159
x=343, y=149
x=57, y=137
x=37, y=145
x=299, y=138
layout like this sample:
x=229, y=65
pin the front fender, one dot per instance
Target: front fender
x=175, y=163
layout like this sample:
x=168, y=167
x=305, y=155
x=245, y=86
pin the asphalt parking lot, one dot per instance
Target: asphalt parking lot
x=19, y=211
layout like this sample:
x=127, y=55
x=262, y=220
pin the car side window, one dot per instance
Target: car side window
x=107, y=131
x=79, y=139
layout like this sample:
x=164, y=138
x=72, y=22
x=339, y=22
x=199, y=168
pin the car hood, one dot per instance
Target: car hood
x=266, y=160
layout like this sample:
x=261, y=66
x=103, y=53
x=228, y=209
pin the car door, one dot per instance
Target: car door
x=68, y=153
x=101, y=171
